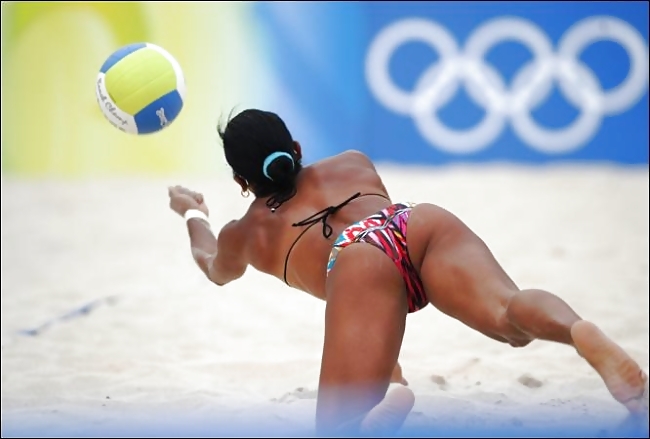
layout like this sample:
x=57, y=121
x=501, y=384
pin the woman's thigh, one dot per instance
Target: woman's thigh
x=364, y=326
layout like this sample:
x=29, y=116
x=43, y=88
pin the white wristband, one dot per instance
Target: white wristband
x=195, y=213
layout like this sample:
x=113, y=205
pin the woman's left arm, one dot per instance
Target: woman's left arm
x=222, y=259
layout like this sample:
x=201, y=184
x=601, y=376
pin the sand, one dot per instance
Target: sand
x=109, y=328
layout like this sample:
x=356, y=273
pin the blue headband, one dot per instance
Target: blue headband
x=271, y=158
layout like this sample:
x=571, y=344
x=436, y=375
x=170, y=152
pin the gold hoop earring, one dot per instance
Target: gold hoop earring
x=245, y=193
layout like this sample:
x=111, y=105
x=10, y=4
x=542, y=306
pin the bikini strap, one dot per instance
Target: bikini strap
x=378, y=195
x=286, y=259
x=323, y=215
x=320, y=216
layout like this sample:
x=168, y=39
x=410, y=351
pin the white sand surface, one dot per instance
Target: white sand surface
x=161, y=347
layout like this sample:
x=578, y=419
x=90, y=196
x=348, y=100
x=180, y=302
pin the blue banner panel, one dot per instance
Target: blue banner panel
x=443, y=82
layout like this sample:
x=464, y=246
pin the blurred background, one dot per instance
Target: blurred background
x=530, y=82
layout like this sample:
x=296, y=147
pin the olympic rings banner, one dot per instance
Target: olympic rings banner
x=441, y=82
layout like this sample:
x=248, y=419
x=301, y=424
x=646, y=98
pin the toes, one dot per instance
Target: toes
x=387, y=417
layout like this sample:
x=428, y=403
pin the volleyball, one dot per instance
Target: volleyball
x=140, y=88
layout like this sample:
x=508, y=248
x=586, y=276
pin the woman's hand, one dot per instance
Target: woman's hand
x=181, y=200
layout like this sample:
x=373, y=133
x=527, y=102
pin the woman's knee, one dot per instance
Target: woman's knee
x=519, y=305
x=513, y=314
x=534, y=311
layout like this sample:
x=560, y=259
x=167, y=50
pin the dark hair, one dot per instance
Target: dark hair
x=259, y=148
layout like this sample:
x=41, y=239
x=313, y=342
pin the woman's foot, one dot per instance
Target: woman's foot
x=387, y=417
x=623, y=377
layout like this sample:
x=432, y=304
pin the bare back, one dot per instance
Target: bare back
x=268, y=236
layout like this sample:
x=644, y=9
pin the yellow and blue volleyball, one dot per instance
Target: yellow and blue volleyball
x=140, y=88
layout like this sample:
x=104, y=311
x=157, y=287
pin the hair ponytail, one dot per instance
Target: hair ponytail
x=259, y=148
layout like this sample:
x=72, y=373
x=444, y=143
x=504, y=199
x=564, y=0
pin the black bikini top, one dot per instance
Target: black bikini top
x=321, y=216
